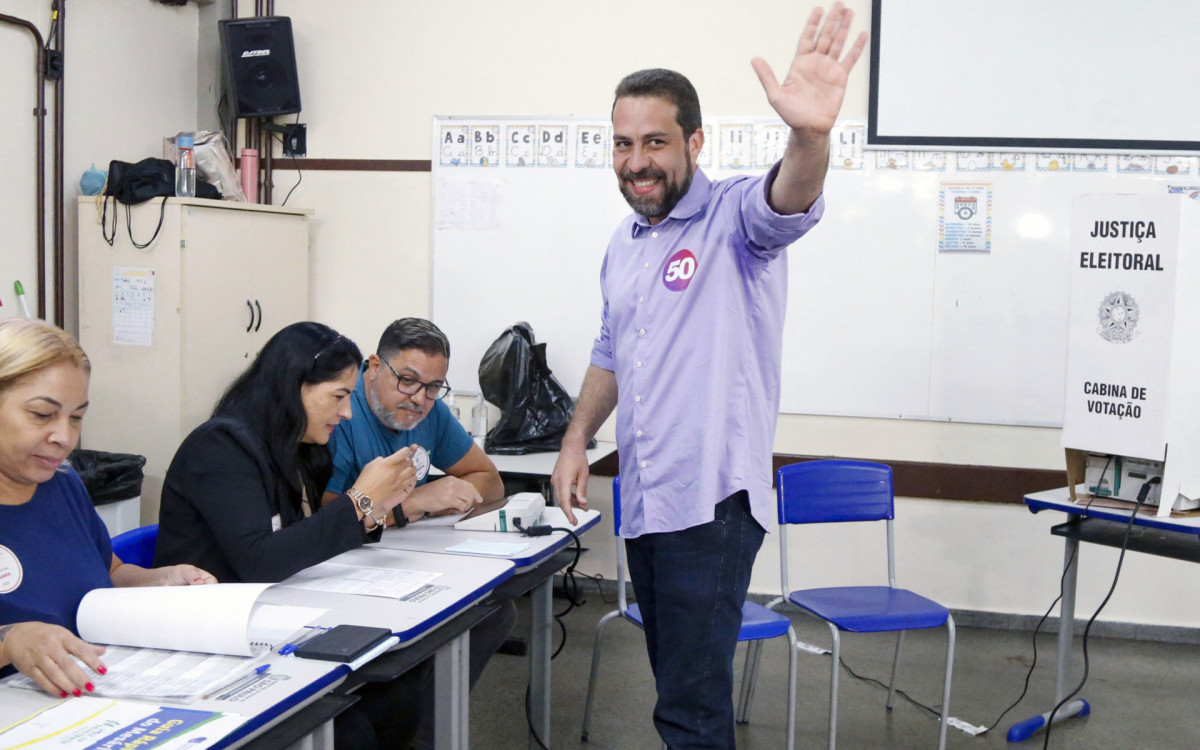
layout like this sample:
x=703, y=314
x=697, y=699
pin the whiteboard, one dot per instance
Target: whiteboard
x=1030, y=74
x=879, y=322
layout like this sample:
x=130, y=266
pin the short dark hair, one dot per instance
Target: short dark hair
x=413, y=333
x=267, y=398
x=670, y=86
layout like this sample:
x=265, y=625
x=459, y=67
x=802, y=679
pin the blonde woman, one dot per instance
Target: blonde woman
x=53, y=546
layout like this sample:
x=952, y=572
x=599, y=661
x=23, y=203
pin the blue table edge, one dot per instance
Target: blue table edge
x=1036, y=504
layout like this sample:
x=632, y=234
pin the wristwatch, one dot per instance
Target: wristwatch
x=361, y=501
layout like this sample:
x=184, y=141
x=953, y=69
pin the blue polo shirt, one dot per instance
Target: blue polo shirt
x=357, y=441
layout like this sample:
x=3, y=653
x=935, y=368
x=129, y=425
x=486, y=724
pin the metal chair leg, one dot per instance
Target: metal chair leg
x=950, y=635
x=895, y=667
x=835, y=668
x=749, y=680
x=591, y=691
x=793, y=647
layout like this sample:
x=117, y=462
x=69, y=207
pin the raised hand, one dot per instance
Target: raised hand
x=810, y=95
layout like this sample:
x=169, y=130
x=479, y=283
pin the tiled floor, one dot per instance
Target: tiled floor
x=1143, y=695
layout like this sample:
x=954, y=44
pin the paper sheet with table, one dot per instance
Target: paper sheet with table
x=339, y=578
x=173, y=643
x=85, y=723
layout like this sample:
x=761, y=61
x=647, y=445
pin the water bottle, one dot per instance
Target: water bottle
x=185, y=167
x=250, y=174
x=479, y=419
x=453, y=408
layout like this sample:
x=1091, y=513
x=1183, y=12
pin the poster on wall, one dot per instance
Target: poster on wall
x=965, y=217
x=133, y=306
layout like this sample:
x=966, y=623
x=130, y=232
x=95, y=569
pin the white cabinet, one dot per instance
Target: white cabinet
x=168, y=327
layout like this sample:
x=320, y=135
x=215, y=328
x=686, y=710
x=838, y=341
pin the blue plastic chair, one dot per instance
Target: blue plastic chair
x=835, y=491
x=137, y=545
x=758, y=625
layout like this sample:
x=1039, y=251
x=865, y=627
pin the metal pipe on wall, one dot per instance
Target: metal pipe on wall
x=39, y=112
x=59, y=224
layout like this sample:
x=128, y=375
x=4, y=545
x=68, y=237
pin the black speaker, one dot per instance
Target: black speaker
x=260, y=66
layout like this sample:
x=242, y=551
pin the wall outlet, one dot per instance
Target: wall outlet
x=295, y=140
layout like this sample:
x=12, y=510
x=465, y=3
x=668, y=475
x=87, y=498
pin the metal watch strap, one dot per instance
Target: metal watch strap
x=361, y=501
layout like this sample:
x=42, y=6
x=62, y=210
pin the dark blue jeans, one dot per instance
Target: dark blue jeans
x=690, y=587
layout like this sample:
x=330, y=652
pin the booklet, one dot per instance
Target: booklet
x=88, y=723
x=174, y=643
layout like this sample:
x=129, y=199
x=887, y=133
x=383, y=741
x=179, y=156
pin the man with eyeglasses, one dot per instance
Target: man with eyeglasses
x=398, y=402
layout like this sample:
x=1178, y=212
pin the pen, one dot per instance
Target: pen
x=229, y=688
x=20, y=290
x=290, y=647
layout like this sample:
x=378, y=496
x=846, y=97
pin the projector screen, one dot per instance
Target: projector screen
x=1026, y=75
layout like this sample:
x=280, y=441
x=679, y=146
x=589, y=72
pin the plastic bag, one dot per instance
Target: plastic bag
x=109, y=477
x=535, y=408
x=213, y=162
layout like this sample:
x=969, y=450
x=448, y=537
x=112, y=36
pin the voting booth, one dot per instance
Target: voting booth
x=1133, y=350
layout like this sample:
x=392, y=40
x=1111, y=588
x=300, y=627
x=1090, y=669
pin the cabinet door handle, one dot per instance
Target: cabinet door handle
x=259, y=324
x=251, y=326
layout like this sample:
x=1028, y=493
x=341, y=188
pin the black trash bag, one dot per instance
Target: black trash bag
x=535, y=408
x=109, y=477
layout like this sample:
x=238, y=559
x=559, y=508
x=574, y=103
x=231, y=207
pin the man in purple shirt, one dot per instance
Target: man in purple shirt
x=695, y=288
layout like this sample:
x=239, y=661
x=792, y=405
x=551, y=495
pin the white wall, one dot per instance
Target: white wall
x=130, y=80
x=372, y=77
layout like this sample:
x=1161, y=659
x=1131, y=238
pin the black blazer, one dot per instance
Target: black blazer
x=218, y=500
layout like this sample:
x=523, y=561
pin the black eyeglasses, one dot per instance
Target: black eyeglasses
x=411, y=386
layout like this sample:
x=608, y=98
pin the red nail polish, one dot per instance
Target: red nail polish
x=63, y=694
x=90, y=687
x=103, y=670
x=76, y=692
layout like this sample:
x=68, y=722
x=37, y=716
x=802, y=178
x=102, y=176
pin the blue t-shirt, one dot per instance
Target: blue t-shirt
x=53, y=550
x=359, y=440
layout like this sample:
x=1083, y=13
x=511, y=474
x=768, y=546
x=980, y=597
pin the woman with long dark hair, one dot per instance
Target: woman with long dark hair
x=243, y=494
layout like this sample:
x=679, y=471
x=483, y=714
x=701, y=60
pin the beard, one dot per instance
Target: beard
x=672, y=193
x=393, y=420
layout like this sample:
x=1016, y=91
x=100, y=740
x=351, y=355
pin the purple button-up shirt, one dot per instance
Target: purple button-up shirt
x=692, y=326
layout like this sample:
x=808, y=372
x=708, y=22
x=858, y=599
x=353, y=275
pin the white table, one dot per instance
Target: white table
x=1178, y=538
x=301, y=682
x=542, y=464
x=435, y=537
x=463, y=582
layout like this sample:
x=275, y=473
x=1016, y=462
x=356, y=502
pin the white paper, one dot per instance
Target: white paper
x=212, y=619
x=156, y=674
x=554, y=516
x=499, y=549
x=355, y=579
x=81, y=723
x=133, y=306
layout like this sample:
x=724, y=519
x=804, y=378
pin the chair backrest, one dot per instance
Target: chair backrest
x=834, y=490
x=137, y=545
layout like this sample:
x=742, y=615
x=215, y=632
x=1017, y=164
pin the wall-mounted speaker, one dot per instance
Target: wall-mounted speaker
x=260, y=66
